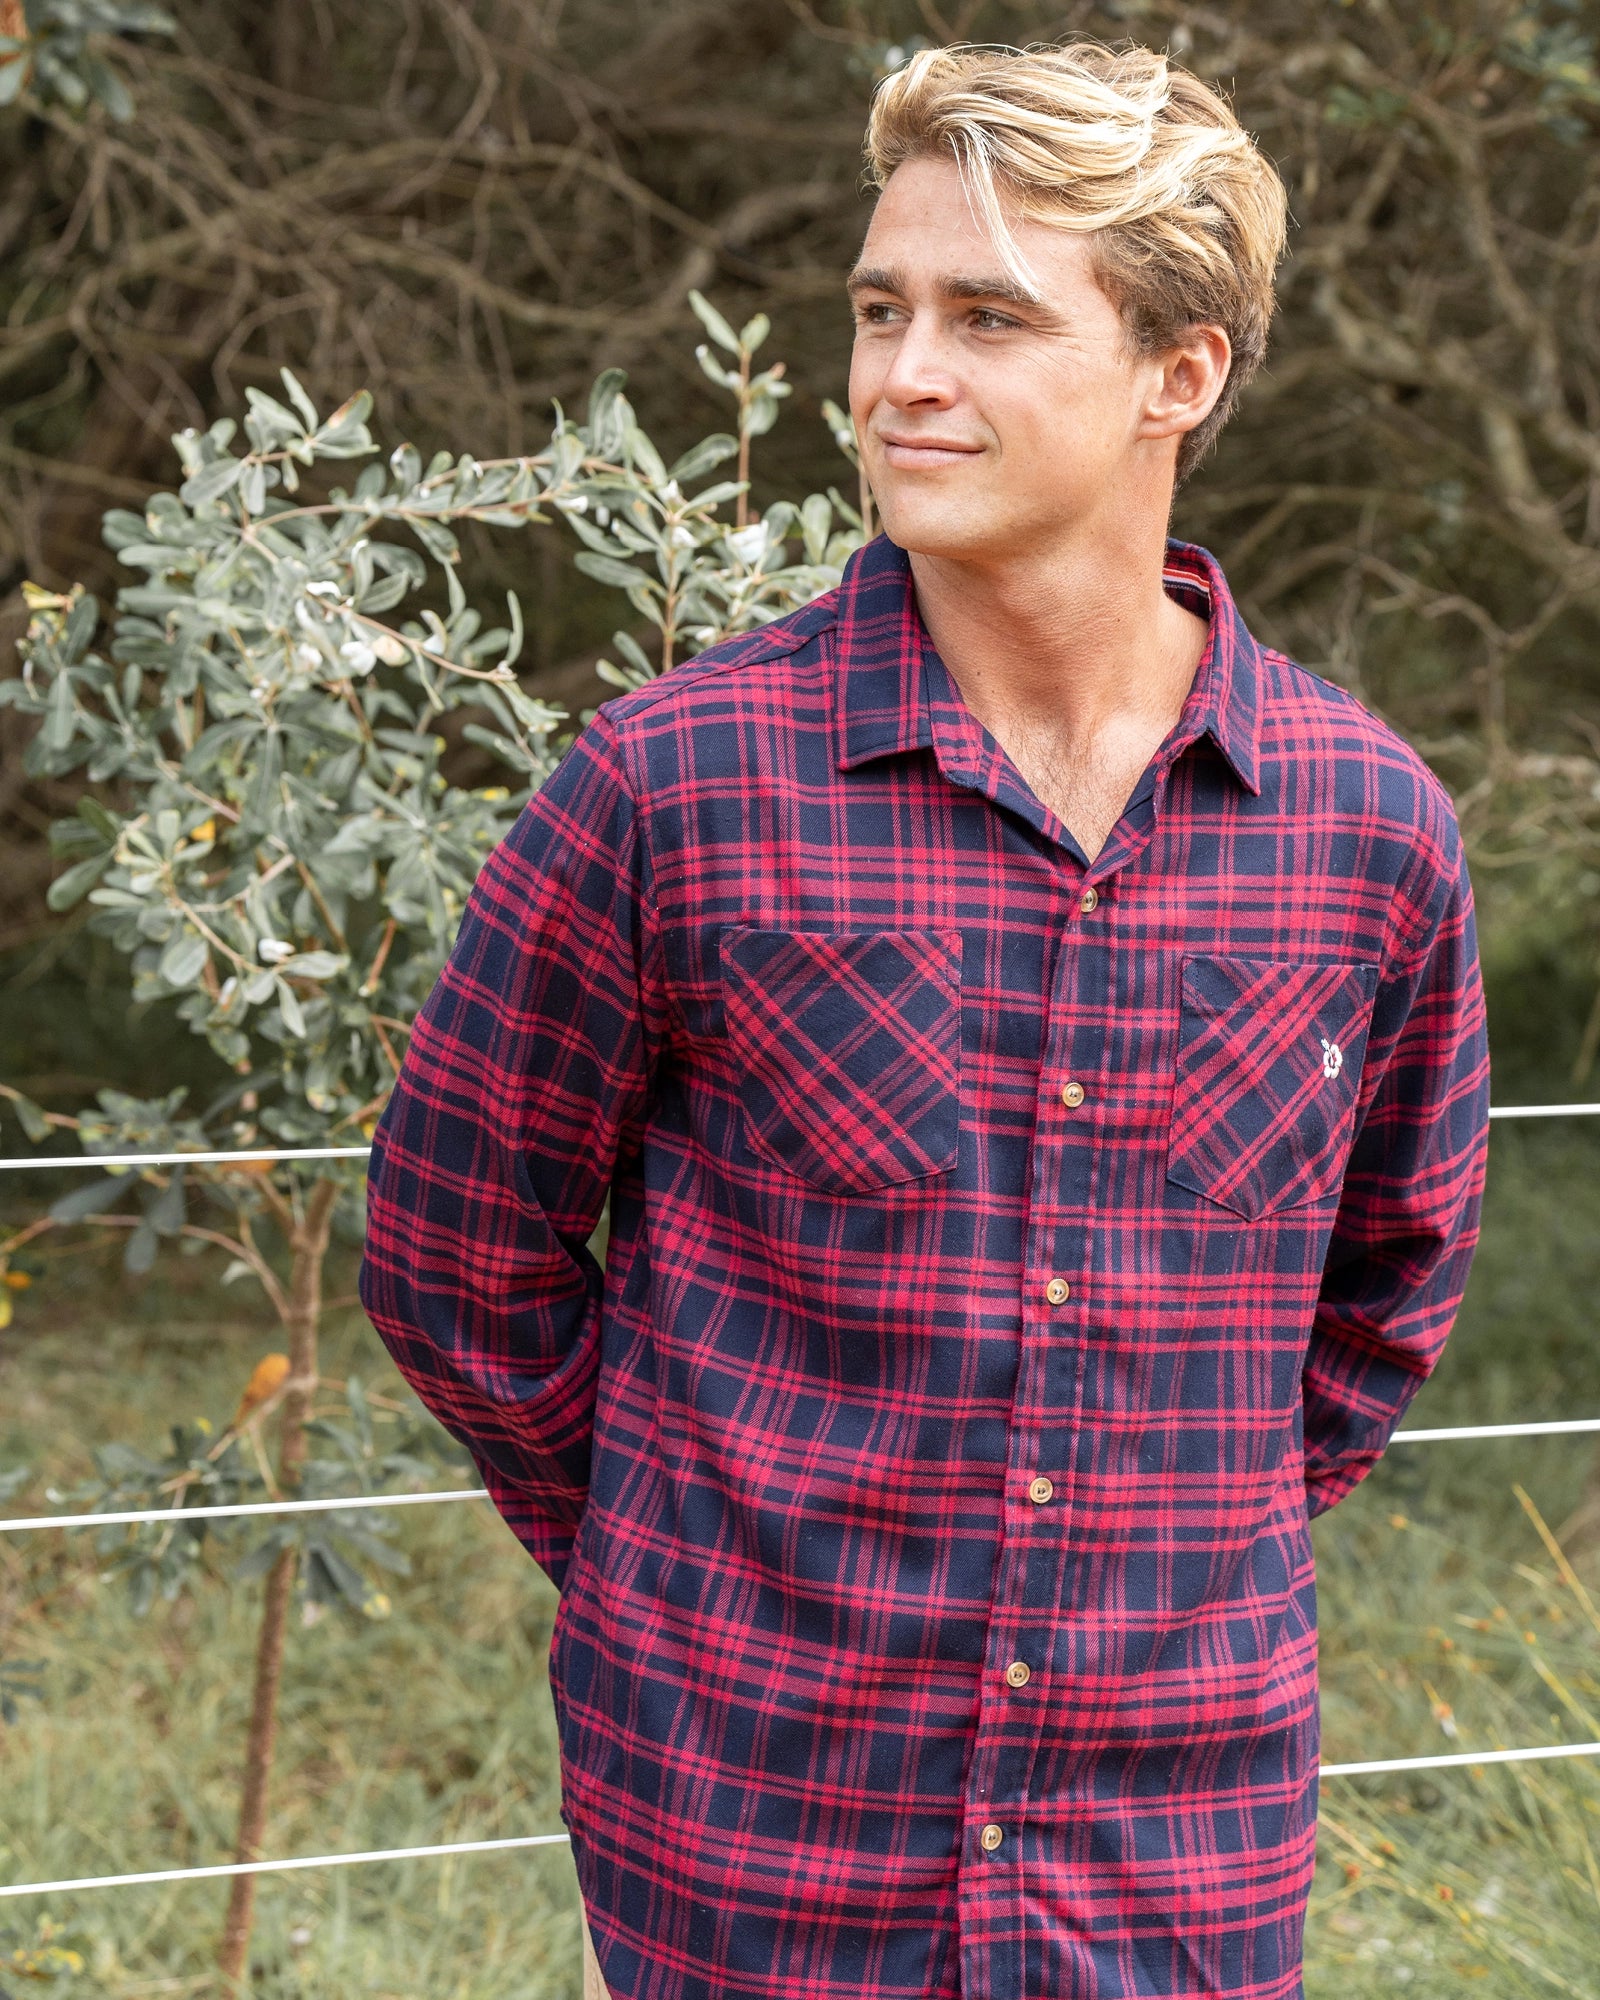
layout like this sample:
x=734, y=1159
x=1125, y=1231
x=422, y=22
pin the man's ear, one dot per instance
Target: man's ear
x=1192, y=375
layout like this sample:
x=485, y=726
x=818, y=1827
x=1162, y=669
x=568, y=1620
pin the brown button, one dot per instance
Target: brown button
x=1058, y=1291
x=1018, y=1674
x=1072, y=1095
x=991, y=1837
x=1040, y=1490
x=1089, y=901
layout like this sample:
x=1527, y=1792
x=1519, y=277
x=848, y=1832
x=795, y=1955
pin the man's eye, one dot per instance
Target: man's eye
x=991, y=322
x=874, y=312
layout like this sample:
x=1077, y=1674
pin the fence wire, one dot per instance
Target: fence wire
x=168, y=1516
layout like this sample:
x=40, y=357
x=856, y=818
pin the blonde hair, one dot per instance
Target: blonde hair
x=1188, y=217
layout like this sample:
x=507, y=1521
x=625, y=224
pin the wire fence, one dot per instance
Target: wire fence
x=1470, y=1760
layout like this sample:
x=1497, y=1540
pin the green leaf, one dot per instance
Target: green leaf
x=754, y=332
x=184, y=959
x=91, y=1198
x=301, y=401
x=437, y=539
x=72, y=886
x=30, y=1118
x=261, y=1558
x=644, y=455
x=59, y=716
x=138, y=17
x=348, y=425
x=94, y=814
x=843, y=428
x=108, y=87
x=79, y=630
x=143, y=1246
x=633, y=653
x=167, y=1213
x=211, y=481
x=710, y=366
x=313, y=965
x=816, y=522
x=714, y=323
x=384, y=595
x=700, y=458
x=273, y=419
x=13, y=76
x=607, y=406
x=343, y=1578
x=514, y=638
x=761, y=412
x=294, y=1021
x=607, y=569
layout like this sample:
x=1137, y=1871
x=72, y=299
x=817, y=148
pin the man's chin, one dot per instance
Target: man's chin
x=946, y=534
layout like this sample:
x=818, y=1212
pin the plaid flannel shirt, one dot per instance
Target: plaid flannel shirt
x=1008, y=1255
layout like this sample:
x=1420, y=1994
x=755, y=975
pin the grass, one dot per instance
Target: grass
x=1447, y=1624
x=433, y=1725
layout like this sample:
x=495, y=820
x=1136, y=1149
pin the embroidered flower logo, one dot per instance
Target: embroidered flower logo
x=1332, y=1058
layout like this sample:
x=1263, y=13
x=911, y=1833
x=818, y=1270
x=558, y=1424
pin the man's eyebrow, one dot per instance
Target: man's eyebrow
x=872, y=278
x=984, y=286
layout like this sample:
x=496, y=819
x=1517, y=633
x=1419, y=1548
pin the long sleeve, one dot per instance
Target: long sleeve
x=1408, y=1217
x=525, y=1082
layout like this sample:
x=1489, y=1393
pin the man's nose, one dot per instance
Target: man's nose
x=920, y=373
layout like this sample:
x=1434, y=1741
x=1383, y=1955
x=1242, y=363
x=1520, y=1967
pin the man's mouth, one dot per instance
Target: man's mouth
x=926, y=453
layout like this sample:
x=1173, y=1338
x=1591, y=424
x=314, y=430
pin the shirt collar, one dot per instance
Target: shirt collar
x=882, y=641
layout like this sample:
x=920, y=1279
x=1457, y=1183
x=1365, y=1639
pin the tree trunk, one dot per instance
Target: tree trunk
x=309, y=1246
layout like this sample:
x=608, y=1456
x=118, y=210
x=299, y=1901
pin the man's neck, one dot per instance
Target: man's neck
x=1074, y=659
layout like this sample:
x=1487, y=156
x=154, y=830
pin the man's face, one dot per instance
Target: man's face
x=993, y=421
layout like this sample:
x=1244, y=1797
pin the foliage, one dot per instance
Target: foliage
x=50, y=50
x=368, y=1447
x=287, y=848
x=280, y=842
x=43, y=1952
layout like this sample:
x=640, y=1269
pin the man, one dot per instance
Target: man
x=1030, y=1035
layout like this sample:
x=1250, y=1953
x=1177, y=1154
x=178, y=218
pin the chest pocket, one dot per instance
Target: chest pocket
x=847, y=1051
x=1269, y=1063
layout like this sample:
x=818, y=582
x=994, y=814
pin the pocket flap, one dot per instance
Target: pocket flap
x=848, y=1050
x=1269, y=1064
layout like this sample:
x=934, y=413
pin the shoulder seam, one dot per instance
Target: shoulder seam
x=702, y=666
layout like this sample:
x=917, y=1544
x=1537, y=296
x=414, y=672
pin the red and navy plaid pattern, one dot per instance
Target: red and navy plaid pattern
x=1007, y=1256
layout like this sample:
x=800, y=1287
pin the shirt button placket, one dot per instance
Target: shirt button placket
x=1009, y=1731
